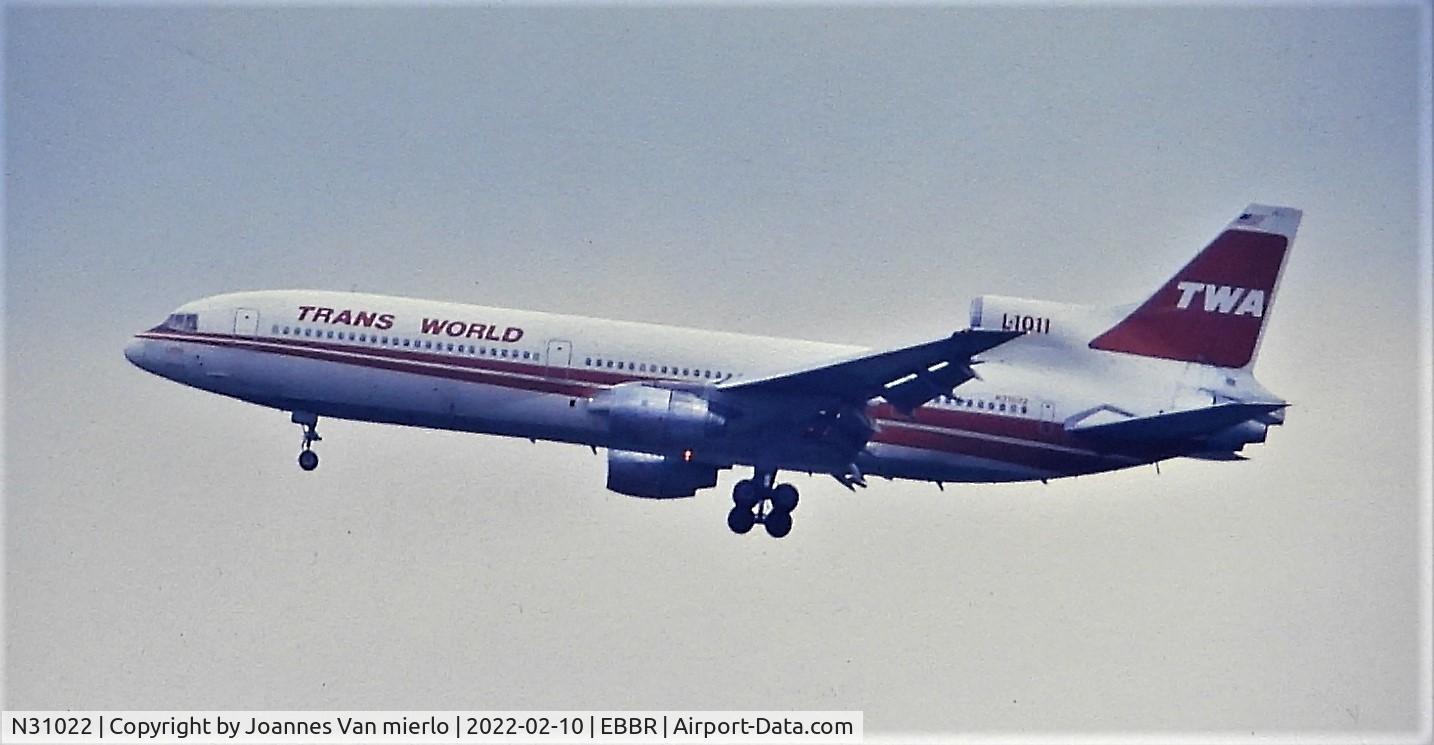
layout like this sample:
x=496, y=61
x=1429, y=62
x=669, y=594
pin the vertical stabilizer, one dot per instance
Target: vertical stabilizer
x=1213, y=311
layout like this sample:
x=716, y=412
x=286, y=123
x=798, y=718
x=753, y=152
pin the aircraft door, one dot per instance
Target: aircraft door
x=1048, y=418
x=559, y=357
x=246, y=322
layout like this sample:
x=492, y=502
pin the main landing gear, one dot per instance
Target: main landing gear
x=308, y=459
x=757, y=500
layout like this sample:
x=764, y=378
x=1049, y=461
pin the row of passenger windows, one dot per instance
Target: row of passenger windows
x=970, y=403
x=383, y=340
x=187, y=321
x=653, y=368
x=179, y=322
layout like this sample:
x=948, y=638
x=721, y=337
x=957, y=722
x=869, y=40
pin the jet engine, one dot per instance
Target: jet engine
x=656, y=476
x=658, y=418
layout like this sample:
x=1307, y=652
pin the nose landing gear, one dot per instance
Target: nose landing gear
x=757, y=500
x=308, y=459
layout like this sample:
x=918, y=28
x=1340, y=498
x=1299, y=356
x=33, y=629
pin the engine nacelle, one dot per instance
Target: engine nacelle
x=658, y=418
x=656, y=476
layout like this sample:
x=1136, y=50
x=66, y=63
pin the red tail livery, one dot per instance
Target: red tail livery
x=1213, y=310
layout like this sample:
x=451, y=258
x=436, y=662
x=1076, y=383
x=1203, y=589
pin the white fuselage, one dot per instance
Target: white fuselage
x=534, y=375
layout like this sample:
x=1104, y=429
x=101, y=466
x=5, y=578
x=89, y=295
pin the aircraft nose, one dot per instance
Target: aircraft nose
x=134, y=352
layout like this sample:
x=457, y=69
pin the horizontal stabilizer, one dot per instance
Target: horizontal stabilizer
x=1177, y=425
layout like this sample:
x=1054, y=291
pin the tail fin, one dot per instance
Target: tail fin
x=1213, y=311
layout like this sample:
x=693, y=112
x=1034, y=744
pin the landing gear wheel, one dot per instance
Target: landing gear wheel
x=308, y=460
x=784, y=498
x=778, y=523
x=744, y=495
x=741, y=519
x=761, y=500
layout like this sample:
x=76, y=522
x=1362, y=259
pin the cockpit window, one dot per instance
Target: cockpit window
x=182, y=322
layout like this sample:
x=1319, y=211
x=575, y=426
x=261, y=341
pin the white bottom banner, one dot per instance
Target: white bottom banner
x=419, y=727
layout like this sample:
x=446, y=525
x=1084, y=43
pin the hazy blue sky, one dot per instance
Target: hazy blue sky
x=852, y=174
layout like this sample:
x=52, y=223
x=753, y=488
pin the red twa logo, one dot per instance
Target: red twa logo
x=1225, y=299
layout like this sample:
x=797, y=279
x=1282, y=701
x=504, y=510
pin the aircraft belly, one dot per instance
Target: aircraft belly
x=901, y=461
x=366, y=393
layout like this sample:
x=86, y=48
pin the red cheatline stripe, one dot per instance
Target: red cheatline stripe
x=1006, y=426
x=1033, y=455
x=501, y=374
x=409, y=354
x=364, y=358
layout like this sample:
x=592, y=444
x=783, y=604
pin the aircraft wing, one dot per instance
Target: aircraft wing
x=907, y=377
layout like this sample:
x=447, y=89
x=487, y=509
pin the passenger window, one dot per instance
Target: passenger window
x=1003, y=407
x=405, y=342
x=504, y=353
x=450, y=347
x=286, y=329
x=525, y=355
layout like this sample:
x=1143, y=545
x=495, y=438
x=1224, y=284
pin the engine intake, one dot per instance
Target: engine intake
x=656, y=476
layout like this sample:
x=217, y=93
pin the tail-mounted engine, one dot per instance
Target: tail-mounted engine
x=658, y=419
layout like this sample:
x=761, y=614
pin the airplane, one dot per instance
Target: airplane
x=1029, y=390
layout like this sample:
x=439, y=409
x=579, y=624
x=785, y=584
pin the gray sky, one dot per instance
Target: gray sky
x=852, y=175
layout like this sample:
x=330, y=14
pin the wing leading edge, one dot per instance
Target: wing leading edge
x=907, y=377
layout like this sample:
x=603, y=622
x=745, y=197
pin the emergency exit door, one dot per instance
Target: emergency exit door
x=559, y=357
x=246, y=322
